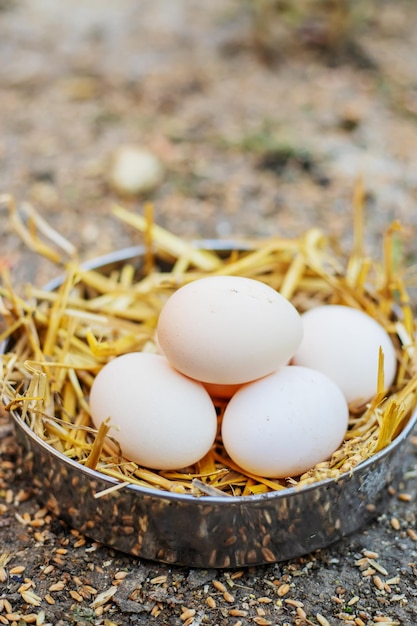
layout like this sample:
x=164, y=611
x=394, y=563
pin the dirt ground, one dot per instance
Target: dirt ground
x=263, y=117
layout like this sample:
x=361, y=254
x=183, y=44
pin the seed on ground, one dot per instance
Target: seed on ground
x=405, y=497
x=219, y=586
x=378, y=582
x=261, y=621
x=368, y=572
x=211, y=602
x=159, y=580
x=370, y=554
x=378, y=567
x=237, y=613
x=186, y=614
x=59, y=586
x=7, y=606
x=295, y=603
x=76, y=596
x=228, y=597
x=283, y=589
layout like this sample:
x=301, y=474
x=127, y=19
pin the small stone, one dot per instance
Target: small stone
x=134, y=170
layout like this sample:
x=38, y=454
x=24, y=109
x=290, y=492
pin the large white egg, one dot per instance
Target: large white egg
x=164, y=420
x=228, y=329
x=344, y=343
x=285, y=423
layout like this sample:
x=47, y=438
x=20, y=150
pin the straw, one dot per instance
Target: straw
x=59, y=341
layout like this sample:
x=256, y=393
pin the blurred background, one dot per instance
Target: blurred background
x=235, y=118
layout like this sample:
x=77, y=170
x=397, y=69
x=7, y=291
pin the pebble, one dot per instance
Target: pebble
x=134, y=170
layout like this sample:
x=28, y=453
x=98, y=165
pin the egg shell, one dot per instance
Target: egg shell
x=343, y=342
x=165, y=420
x=285, y=423
x=228, y=329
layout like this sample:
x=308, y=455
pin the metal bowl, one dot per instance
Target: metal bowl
x=208, y=531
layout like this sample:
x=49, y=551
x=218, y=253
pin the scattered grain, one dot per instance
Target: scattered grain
x=104, y=597
x=237, y=613
x=261, y=621
x=369, y=554
x=301, y=613
x=75, y=595
x=80, y=542
x=283, y=589
x=219, y=586
x=186, y=614
x=379, y=568
x=378, y=582
x=405, y=497
x=156, y=610
x=211, y=602
x=31, y=598
x=58, y=586
x=7, y=606
x=13, y=617
x=295, y=603
x=30, y=618
x=368, y=572
x=159, y=580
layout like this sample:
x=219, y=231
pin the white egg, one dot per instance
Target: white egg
x=285, y=423
x=164, y=420
x=228, y=329
x=344, y=343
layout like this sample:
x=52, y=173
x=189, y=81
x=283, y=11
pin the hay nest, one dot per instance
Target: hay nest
x=57, y=340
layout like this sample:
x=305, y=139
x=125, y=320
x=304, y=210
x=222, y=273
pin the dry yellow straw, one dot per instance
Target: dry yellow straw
x=61, y=340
